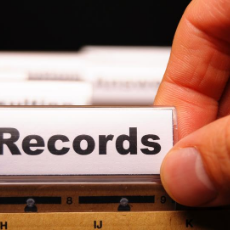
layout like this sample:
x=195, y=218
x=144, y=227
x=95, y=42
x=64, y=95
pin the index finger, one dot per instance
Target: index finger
x=199, y=64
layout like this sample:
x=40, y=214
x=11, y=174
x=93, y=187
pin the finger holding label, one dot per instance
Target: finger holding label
x=196, y=172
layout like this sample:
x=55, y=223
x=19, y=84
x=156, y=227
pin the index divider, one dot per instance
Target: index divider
x=161, y=220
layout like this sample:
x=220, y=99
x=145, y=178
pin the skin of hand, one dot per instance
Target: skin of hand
x=196, y=172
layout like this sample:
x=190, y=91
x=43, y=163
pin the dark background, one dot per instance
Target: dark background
x=68, y=25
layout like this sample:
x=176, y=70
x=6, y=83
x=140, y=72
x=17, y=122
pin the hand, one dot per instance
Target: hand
x=196, y=172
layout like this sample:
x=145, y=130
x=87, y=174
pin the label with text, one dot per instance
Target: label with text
x=84, y=141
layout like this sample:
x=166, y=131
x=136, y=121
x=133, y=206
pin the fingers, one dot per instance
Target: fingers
x=196, y=171
x=199, y=65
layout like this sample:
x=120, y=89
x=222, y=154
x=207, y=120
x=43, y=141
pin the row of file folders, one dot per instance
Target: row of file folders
x=92, y=76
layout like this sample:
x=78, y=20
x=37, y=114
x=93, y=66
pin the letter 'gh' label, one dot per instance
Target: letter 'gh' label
x=84, y=141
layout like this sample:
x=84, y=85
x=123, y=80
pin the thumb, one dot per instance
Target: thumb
x=196, y=172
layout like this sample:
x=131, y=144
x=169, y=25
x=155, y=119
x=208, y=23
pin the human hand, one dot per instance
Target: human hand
x=196, y=172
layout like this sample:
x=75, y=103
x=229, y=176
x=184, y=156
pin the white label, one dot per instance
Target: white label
x=84, y=141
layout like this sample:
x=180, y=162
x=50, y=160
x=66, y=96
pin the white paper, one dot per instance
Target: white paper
x=72, y=122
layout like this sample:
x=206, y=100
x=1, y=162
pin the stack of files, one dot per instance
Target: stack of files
x=92, y=76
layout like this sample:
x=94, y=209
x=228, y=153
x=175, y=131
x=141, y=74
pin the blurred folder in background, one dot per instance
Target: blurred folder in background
x=94, y=75
x=45, y=93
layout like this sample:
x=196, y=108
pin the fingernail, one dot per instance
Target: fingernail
x=184, y=177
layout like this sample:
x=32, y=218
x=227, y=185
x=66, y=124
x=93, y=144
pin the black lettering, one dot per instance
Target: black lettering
x=77, y=144
x=103, y=143
x=189, y=223
x=163, y=199
x=51, y=145
x=145, y=141
x=132, y=139
x=9, y=141
x=3, y=225
x=69, y=200
x=26, y=144
x=97, y=226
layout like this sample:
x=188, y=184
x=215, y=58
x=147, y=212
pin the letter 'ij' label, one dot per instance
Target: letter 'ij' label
x=84, y=141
